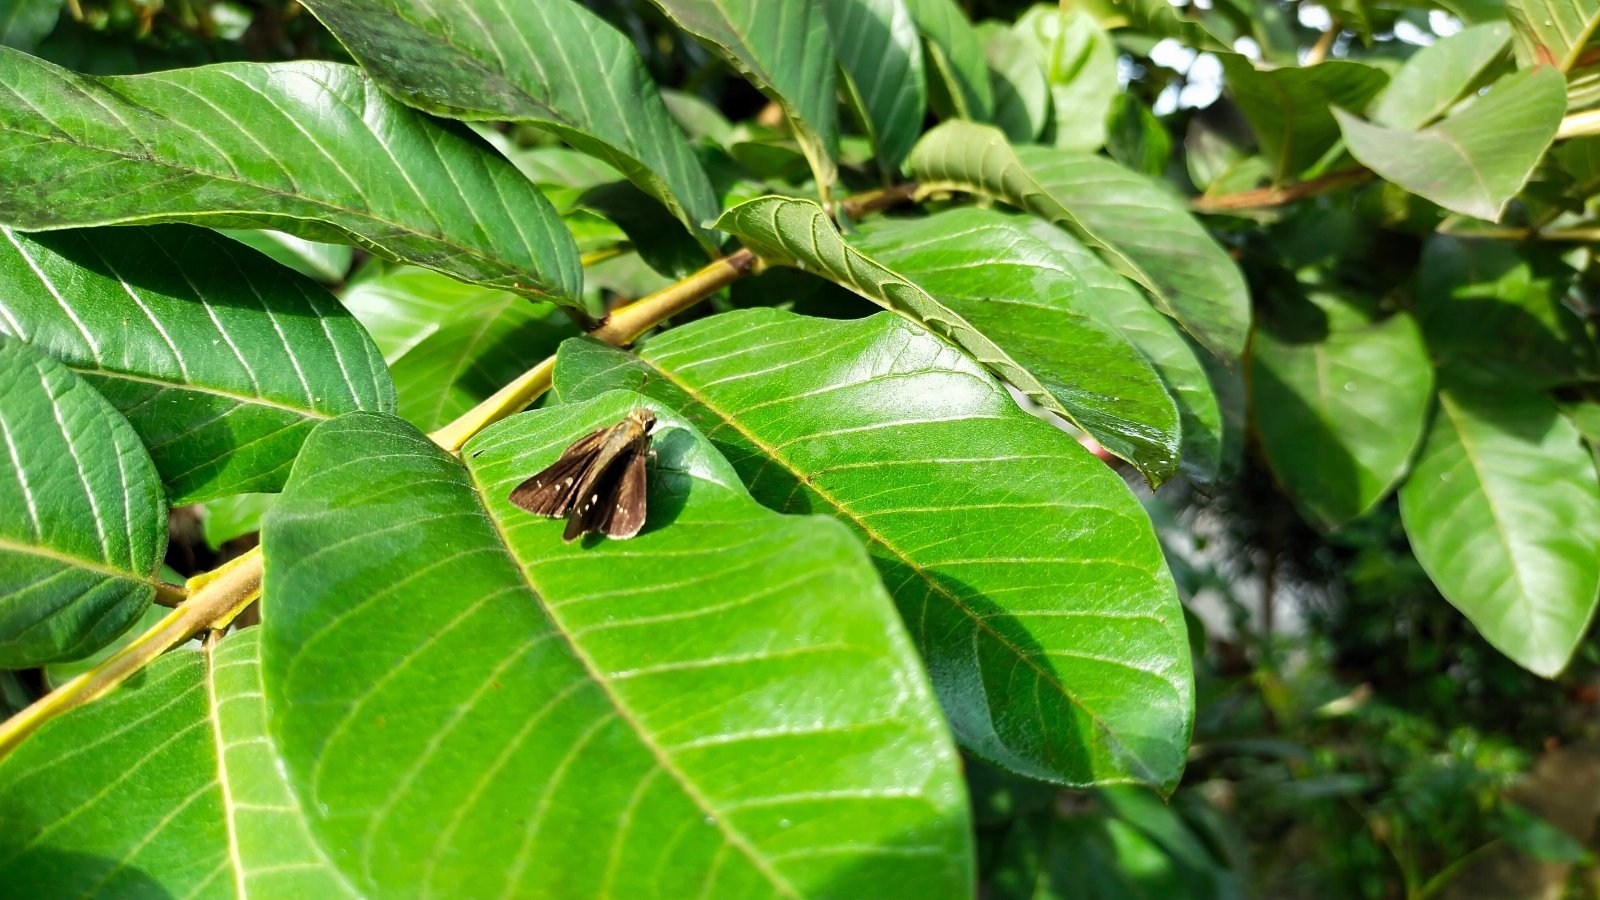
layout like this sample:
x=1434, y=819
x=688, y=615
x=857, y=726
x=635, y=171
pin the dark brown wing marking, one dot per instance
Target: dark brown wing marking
x=627, y=513
x=551, y=491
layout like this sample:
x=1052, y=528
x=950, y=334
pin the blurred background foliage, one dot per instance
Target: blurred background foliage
x=1355, y=737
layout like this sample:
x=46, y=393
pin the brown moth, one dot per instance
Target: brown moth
x=600, y=479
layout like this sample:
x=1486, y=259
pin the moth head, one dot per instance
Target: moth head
x=642, y=417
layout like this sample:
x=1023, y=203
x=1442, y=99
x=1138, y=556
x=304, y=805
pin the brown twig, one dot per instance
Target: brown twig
x=1279, y=196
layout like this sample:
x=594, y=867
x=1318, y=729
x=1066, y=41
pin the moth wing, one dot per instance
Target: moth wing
x=590, y=511
x=551, y=491
x=626, y=515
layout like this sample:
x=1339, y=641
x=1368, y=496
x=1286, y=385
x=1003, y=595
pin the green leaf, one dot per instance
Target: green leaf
x=59, y=673
x=83, y=525
x=222, y=360
x=1027, y=572
x=1292, y=108
x=554, y=65
x=309, y=148
x=1502, y=309
x=880, y=61
x=1161, y=19
x=724, y=705
x=1021, y=96
x=227, y=518
x=1080, y=65
x=1136, y=138
x=1503, y=511
x=1025, y=350
x=782, y=47
x=475, y=353
x=1113, y=301
x=1552, y=31
x=168, y=787
x=1341, y=400
x=1435, y=77
x=1142, y=229
x=956, y=51
x=24, y=23
x=327, y=263
x=1475, y=160
x=1025, y=297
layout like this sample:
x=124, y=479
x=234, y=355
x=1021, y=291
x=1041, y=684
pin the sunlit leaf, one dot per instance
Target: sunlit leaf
x=310, y=148
x=724, y=705
x=221, y=359
x=1028, y=574
x=83, y=524
x=880, y=55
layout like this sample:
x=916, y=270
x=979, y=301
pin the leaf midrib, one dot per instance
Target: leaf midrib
x=978, y=621
x=200, y=389
x=733, y=836
x=8, y=545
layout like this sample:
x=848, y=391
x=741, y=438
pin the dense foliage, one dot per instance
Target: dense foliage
x=1104, y=448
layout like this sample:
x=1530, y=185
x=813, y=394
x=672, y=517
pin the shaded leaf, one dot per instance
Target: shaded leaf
x=956, y=51
x=1026, y=297
x=234, y=516
x=552, y=64
x=474, y=353
x=782, y=47
x=23, y=23
x=59, y=673
x=1113, y=301
x=1436, y=76
x=1025, y=349
x=1501, y=308
x=1028, y=574
x=1143, y=230
x=327, y=263
x=880, y=59
x=221, y=360
x=1341, y=399
x=1021, y=96
x=1475, y=160
x=83, y=525
x=707, y=707
x=1503, y=511
x=168, y=787
x=309, y=148
x=1291, y=108
x=1136, y=138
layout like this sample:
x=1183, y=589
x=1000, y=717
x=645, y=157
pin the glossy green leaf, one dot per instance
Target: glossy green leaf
x=552, y=64
x=1142, y=229
x=1503, y=511
x=1021, y=96
x=880, y=59
x=1552, y=31
x=222, y=360
x=1028, y=574
x=1341, y=398
x=310, y=148
x=1474, y=161
x=327, y=263
x=1502, y=309
x=23, y=23
x=83, y=524
x=956, y=52
x=782, y=47
x=168, y=787
x=1291, y=108
x=725, y=705
x=234, y=516
x=1021, y=342
x=1435, y=77
x=1113, y=301
x=474, y=354
x=1080, y=66
x=1025, y=297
